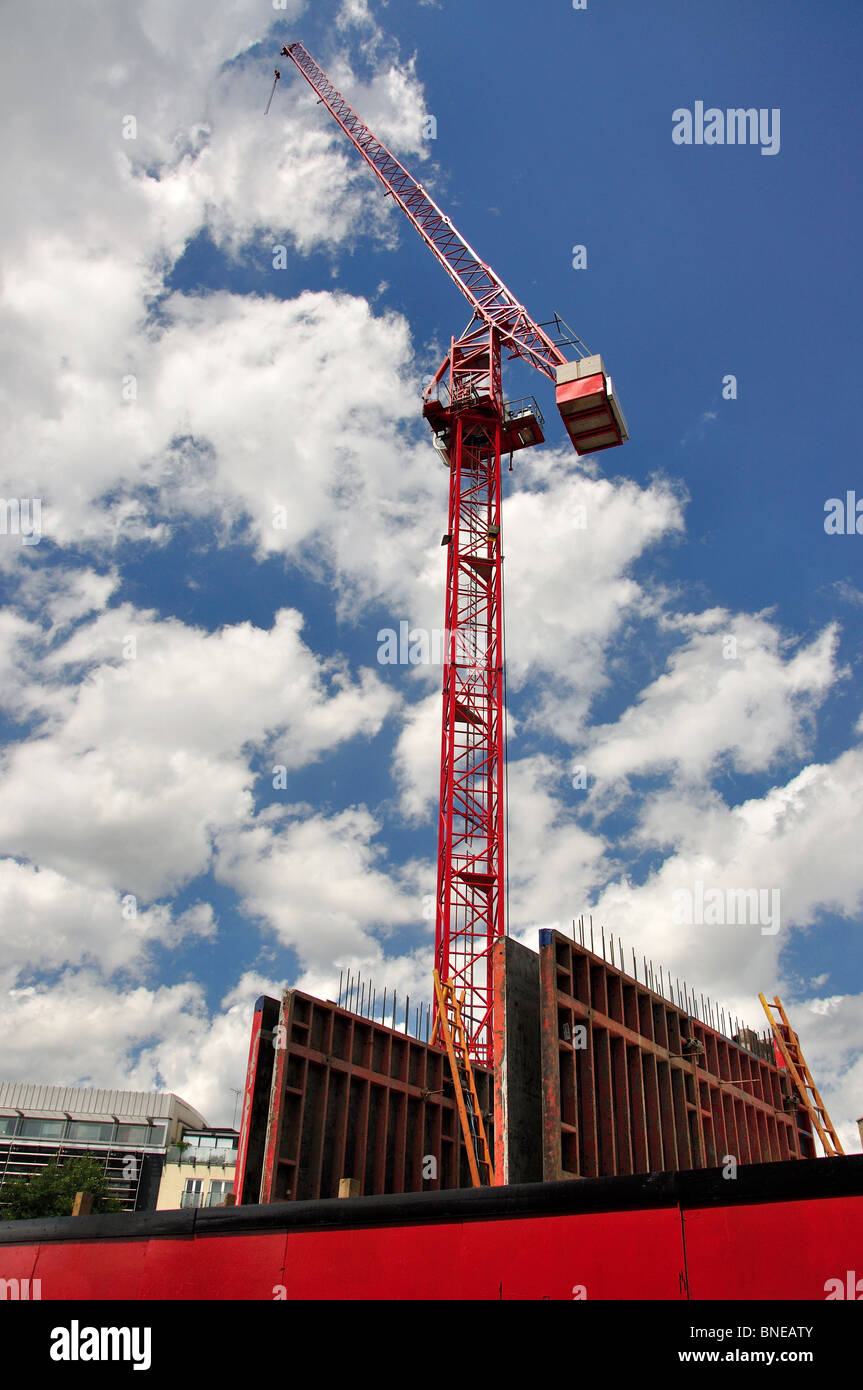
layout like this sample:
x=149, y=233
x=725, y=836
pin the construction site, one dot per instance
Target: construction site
x=530, y=1068
x=547, y=1106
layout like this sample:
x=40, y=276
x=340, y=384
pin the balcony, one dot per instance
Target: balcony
x=213, y=1158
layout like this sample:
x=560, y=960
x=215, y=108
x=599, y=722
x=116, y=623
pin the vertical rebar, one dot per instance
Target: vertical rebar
x=384, y=1005
x=340, y=987
x=407, y=1011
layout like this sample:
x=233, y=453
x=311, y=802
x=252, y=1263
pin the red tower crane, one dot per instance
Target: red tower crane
x=473, y=427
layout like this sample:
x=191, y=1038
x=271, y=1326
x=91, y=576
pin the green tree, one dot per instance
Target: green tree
x=52, y=1192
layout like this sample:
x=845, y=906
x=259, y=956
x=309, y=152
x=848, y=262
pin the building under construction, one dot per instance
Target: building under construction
x=641, y=1153
x=595, y=1074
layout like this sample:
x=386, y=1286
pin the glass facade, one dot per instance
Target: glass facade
x=42, y=1129
x=90, y=1130
x=84, y=1131
x=133, y=1134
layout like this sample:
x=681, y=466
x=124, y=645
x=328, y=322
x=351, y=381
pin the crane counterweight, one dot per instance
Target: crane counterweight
x=588, y=406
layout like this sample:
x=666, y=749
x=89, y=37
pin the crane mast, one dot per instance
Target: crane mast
x=473, y=428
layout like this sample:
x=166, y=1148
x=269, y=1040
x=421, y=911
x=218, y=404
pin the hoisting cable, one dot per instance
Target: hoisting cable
x=275, y=80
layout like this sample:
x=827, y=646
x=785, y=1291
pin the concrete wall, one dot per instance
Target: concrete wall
x=517, y=1092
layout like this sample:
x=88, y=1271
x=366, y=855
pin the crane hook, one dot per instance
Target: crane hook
x=275, y=80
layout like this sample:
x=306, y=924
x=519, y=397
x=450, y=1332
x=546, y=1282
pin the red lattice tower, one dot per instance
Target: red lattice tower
x=473, y=428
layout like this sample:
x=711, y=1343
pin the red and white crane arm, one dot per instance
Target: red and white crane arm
x=486, y=293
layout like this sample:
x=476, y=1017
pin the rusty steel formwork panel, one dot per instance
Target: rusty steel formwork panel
x=353, y=1099
x=634, y=1084
x=256, y=1101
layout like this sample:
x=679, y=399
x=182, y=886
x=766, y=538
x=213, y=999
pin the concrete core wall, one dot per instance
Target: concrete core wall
x=517, y=1063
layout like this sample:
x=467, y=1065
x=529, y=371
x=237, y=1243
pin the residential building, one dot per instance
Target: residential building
x=199, y=1171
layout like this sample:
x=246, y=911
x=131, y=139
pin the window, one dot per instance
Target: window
x=92, y=1130
x=132, y=1134
x=8, y=1123
x=219, y=1190
x=156, y=1136
x=192, y=1193
x=42, y=1129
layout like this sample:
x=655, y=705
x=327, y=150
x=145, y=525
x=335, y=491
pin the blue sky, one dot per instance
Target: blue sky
x=169, y=393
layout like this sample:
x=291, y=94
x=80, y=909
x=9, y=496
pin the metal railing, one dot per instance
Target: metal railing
x=524, y=406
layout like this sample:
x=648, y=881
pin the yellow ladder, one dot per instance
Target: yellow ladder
x=448, y=1025
x=792, y=1054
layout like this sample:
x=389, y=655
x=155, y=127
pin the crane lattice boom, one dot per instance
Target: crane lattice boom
x=485, y=291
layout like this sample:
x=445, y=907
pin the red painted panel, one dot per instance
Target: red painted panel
x=18, y=1261
x=612, y=1255
x=93, y=1269
x=578, y=390
x=225, y=1266
x=773, y=1249
x=618, y=1255
x=402, y=1262
x=231, y=1267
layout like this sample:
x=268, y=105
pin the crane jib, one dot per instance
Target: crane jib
x=484, y=290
